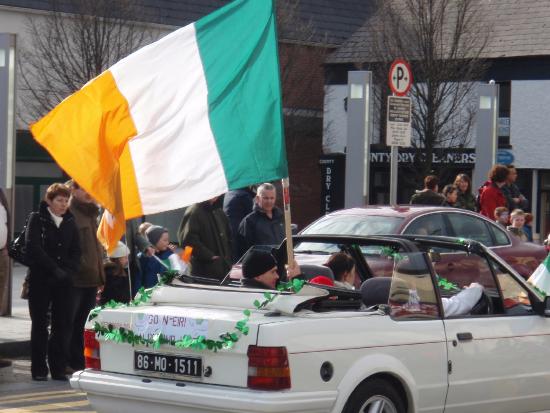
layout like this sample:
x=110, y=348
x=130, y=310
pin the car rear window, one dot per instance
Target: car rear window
x=355, y=225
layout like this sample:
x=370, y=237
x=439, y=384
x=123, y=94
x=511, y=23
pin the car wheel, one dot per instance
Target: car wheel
x=375, y=396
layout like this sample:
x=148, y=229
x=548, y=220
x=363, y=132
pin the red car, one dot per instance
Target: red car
x=524, y=257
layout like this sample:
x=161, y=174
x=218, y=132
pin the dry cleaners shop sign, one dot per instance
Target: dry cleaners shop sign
x=463, y=157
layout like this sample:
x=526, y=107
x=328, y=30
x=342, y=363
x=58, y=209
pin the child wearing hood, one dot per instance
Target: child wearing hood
x=117, y=285
x=159, y=262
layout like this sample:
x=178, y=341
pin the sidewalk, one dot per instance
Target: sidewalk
x=15, y=331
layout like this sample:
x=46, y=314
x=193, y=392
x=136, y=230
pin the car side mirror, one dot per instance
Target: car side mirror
x=294, y=228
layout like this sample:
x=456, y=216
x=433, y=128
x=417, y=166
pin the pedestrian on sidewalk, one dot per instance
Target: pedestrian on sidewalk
x=265, y=225
x=450, y=192
x=490, y=193
x=429, y=195
x=205, y=227
x=237, y=204
x=90, y=275
x=117, y=285
x=466, y=199
x=517, y=221
x=52, y=243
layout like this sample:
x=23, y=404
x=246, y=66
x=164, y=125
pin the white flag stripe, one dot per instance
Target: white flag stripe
x=177, y=133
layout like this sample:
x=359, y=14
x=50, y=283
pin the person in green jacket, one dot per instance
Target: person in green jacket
x=466, y=199
x=205, y=227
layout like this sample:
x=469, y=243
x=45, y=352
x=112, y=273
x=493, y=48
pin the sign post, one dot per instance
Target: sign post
x=398, y=121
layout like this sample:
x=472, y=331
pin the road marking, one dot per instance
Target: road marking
x=38, y=394
x=49, y=396
x=47, y=407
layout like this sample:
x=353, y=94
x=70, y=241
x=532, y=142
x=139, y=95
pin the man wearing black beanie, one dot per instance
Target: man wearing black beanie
x=260, y=270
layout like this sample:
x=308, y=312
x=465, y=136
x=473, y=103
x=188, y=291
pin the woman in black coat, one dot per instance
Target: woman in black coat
x=51, y=240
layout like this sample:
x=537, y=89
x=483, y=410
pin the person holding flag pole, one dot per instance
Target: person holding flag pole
x=180, y=121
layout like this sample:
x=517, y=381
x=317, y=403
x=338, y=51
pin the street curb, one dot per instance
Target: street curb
x=12, y=349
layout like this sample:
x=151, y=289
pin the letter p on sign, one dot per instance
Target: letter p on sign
x=400, y=77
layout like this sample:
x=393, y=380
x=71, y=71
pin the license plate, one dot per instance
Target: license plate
x=166, y=363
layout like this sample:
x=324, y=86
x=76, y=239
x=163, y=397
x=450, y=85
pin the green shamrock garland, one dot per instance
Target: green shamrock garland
x=391, y=252
x=227, y=340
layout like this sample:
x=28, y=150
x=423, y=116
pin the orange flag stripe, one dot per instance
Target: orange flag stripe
x=87, y=134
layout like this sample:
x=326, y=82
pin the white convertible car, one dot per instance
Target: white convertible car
x=387, y=347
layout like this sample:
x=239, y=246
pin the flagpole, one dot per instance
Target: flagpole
x=288, y=221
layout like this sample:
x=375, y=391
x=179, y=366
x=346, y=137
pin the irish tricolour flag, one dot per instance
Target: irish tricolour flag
x=179, y=121
x=541, y=277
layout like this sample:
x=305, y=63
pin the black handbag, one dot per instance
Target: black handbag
x=17, y=249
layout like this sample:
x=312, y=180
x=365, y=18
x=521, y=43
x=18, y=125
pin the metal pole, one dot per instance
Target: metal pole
x=393, y=174
x=7, y=142
x=534, y=203
x=359, y=113
x=486, y=132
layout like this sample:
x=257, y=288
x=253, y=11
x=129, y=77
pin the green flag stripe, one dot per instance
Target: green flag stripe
x=238, y=49
x=546, y=263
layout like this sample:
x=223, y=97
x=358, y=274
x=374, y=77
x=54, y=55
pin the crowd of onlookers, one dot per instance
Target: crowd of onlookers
x=499, y=198
x=70, y=272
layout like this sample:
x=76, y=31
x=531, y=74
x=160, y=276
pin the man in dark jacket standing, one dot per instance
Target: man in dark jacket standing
x=237, y=204
x=90, y=275
x=429, y=195
x=511, y=192
x=265, y=224
x=205, y=228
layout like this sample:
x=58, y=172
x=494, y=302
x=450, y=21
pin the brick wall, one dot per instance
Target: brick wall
x=303, y=89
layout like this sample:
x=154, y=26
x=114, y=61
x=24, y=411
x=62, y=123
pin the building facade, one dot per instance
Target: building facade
x=518, y=59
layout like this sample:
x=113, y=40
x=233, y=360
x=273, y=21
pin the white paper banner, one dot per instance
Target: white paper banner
x=173, y=327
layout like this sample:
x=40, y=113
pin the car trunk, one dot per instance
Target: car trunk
x=180, y=310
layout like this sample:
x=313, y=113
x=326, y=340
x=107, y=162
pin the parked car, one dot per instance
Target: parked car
x=386, y=348
x=424, y=220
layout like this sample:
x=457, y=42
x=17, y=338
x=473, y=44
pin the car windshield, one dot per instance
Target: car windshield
x=354, y=225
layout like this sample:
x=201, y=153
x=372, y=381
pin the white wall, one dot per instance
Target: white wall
x=13, y=20
x=530, y=123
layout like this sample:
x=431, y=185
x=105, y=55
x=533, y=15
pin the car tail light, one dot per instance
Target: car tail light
x=91, y=350
x=268, y=368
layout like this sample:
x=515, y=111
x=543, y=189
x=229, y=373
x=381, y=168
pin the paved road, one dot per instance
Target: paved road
x=19, y=394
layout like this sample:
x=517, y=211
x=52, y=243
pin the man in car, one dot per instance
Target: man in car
x=463, y=302
x=260, y=270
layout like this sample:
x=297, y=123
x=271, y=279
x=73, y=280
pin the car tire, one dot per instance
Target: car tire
x=375, y=392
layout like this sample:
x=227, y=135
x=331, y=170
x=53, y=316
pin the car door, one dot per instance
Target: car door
x=499, y=362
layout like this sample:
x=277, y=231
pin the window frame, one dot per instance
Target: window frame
x=474, y=217
x=445, y=223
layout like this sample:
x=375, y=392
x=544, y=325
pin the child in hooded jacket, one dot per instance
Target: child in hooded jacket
x=117, y=285
x=156, y=264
